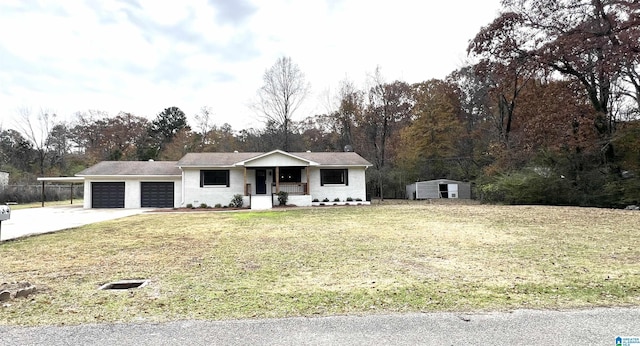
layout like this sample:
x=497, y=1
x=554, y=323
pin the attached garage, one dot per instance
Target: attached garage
x=107, y=194
x=132, y=184
x=157, y=194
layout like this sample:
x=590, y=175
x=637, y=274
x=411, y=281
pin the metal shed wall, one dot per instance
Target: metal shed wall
x=431, y=189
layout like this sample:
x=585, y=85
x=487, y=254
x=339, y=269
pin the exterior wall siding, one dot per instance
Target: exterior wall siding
x=212, y=195
x=356, y=188
x=276, y=160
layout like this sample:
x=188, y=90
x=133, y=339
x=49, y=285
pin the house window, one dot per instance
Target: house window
x=334, y=176
x=290, y=175
x=214, y=178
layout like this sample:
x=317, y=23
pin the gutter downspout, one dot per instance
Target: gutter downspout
x=182, y=187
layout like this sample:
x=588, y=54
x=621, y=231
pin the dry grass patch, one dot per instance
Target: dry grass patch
x=320, y=261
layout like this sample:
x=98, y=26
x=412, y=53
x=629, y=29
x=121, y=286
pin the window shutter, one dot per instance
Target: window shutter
x=201, y=178
x=346, y=177
x=227, y=174
x=322, y=177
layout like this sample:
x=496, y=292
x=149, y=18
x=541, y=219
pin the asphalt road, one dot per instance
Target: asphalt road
x=522, y=327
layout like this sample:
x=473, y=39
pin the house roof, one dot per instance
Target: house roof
x=214, y=159
x=232, y=159
x=173, y=168
x=335, y=159
x=108, y=168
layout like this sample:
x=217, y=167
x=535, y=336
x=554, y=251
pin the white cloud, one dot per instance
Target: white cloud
x=142, y=56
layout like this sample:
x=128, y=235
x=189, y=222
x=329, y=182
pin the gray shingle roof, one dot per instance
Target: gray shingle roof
x=334, y=159
x=214, y=159
x=151, y=168
x=133, y=168
x=229, y=159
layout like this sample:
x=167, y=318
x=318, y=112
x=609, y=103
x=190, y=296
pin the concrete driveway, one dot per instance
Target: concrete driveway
x=25, y=222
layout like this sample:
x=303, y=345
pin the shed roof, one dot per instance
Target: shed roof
x=108, y=168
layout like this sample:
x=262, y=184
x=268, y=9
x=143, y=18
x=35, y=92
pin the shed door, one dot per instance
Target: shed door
x=107, y=195
x=443, y=189
x=156, y=194
x=453, y=190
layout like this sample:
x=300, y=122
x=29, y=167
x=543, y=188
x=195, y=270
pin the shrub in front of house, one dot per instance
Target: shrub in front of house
x=316, y=200
x=283, y=197
x=336, y=199
x=203, y=205
x=218, y=205
x=236, y=201
x=189, y=205
x=349, y=199
x=325, y=200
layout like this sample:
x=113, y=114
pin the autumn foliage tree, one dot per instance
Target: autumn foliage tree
x=436, y=130
x=589, y=41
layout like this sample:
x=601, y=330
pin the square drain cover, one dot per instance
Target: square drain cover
x=124, y=284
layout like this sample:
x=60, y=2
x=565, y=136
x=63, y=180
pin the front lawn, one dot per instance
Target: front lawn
x=325, y=261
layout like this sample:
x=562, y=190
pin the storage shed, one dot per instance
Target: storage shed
x=440, y=188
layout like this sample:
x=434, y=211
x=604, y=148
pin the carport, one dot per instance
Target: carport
x=61, y=180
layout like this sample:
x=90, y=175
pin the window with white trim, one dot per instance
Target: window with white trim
x=214, y=178
x=334, y=177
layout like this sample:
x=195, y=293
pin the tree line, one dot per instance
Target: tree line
x=547, y=113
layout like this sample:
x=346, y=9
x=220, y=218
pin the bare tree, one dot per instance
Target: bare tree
x=205, y=126
x=284, y=89
x=36, y=130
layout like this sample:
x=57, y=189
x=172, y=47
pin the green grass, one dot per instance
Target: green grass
x=325, y=261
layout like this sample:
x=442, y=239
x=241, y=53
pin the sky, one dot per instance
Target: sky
x=142, y=56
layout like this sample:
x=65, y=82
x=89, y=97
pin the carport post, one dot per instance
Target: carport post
x=43, y=193
x=71, y=193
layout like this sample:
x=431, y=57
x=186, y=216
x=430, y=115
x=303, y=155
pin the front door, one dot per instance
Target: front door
x=261, y=182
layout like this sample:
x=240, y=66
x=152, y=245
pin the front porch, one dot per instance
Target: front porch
x=264, y=184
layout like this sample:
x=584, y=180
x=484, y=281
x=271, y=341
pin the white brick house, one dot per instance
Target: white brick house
x=215, y=178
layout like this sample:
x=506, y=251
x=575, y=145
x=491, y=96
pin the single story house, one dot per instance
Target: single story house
x=440, y=188
x=215, y=178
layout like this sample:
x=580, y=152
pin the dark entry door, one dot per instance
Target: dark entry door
x=261, y=182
